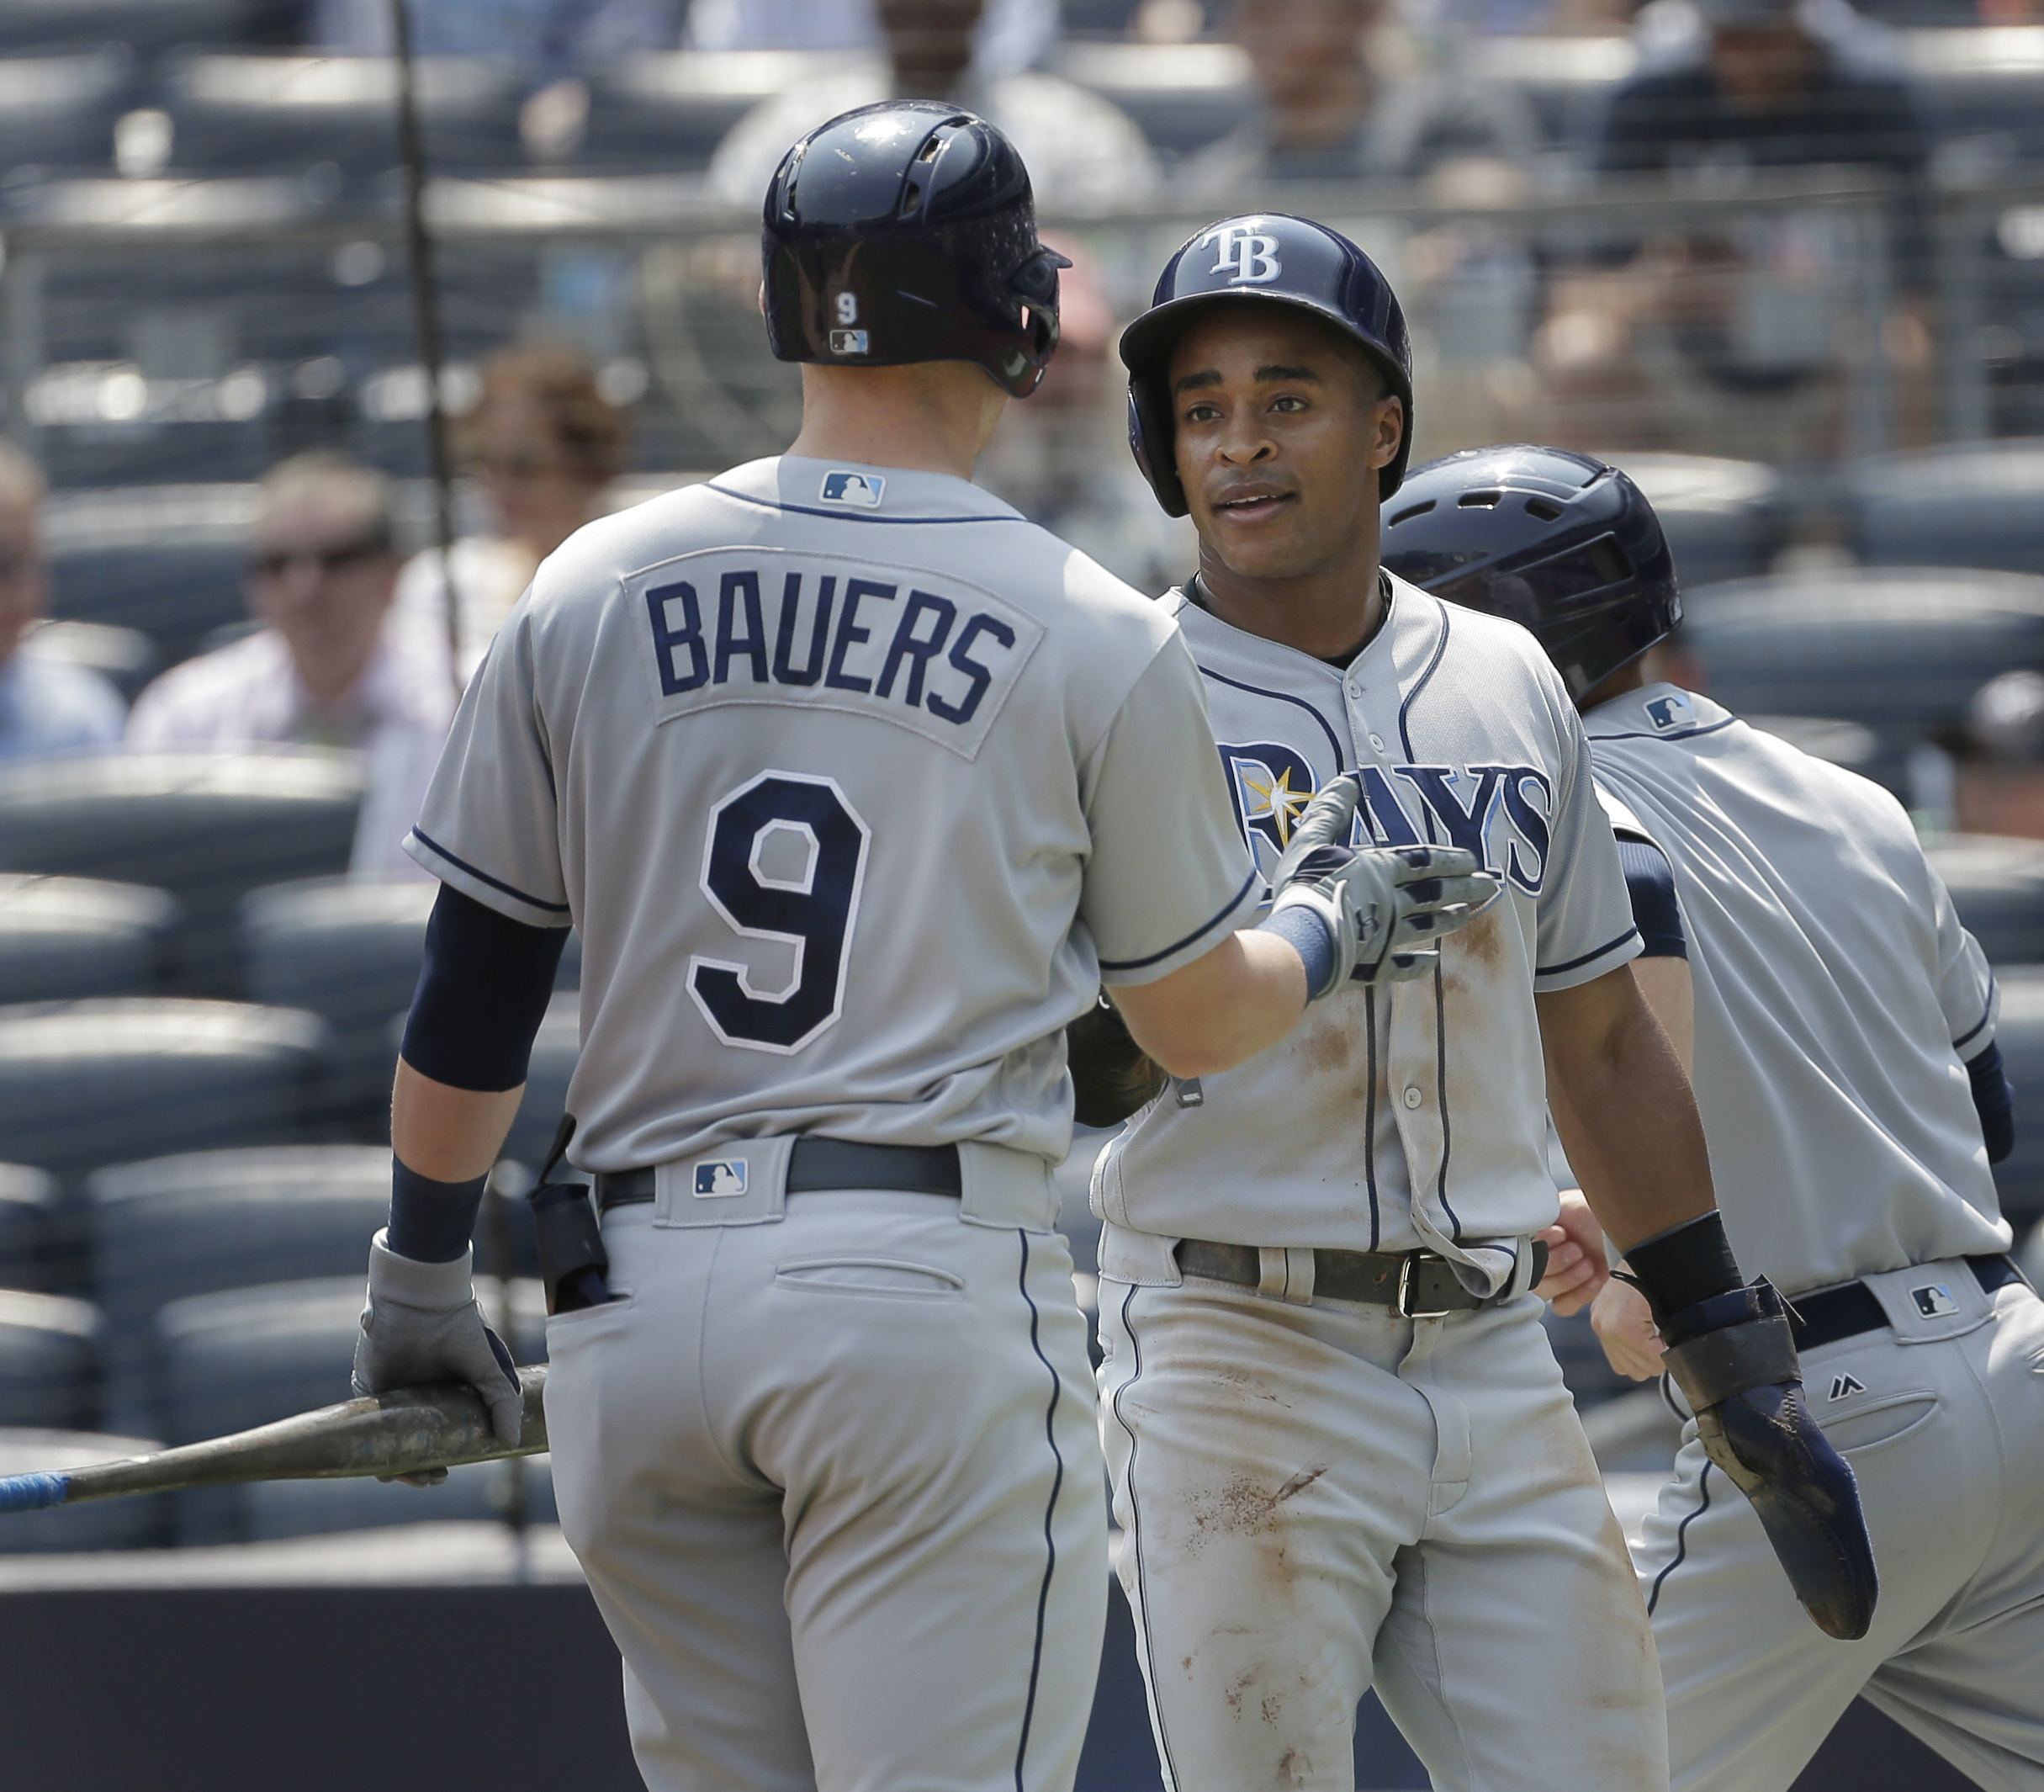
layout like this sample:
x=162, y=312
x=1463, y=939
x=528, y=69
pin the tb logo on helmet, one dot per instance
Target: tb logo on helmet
x=1252, y=255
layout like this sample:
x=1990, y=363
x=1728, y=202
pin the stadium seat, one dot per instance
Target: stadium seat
x=350, y=951
x=1972, y=503
x=1182, y=96
x=144, y=27
x=244, y=1358
x=666, y=113
x=126, y=656
x=166, y=560
x=49, y=1361
x=1983, y=86
x=86, y=1084
x=2020, y=1176
x=57, y=108
x=1997, y=886
x=29, y=1237
x=207, y=827
x=1899, y=650
x=1722, y=519
x=62, y=938
x=172, y=1227
x=241, y=113
x=98, y=1524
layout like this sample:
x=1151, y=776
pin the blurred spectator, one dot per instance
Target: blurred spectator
x=1062, y=457
x=1011, y=35
x=1998, y=782
x=1725, y=337
x=544, y=442
x=47, y=705
x=329, y=664
x=1764, y=84
x=1323, y=114
x=1084, y=153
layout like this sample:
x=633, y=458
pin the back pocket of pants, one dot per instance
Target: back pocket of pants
x=886, y=1276
x=1879, y=1422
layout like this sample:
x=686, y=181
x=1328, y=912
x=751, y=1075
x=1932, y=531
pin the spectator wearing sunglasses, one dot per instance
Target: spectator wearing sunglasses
x=328, y=664
x=543, y=443
x=47, y=704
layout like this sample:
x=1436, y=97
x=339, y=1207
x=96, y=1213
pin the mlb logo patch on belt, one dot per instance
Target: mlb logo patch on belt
x=720, y=1177
x=1934, y=1301
x=861, y=489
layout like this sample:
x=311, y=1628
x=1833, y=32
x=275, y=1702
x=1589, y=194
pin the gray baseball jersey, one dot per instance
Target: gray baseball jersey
x=1835, y=991
x=1412, y=1115
x=857, y=784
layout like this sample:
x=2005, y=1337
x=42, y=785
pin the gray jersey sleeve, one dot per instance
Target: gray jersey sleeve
x=1966, y=987
x=490, y=826
x=1169, y=872
x=1586, y=925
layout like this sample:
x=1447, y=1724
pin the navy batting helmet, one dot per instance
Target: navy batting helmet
x=1561, y=542
x=1277, y=259
x=906, y=231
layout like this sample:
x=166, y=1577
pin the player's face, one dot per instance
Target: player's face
x=1281, y=430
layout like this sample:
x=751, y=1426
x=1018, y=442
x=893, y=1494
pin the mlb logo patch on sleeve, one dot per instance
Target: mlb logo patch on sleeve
x=861, y=489
x=1668, y=713
x=720, y=1177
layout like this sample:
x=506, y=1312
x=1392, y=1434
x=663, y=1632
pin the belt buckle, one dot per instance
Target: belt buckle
x=1407, y=1273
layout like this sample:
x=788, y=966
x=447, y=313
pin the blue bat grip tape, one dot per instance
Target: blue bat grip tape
x=32, y=1492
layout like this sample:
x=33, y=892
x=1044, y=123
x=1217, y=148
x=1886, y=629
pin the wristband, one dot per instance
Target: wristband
x=431, y=1221
x=1309, y=935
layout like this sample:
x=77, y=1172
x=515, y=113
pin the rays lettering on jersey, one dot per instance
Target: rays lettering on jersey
x=917, y=652
x=1499, y=813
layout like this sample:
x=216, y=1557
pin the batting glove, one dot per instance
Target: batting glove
x=1735, y=1359
x=1385, y=907
x=422, y=1325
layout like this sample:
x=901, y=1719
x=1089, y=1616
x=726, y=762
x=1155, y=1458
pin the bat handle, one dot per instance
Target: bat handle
x=32, y=1492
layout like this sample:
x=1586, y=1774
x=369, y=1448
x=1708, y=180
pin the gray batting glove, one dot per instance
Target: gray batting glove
x=1386, y=907
x=422, y=1325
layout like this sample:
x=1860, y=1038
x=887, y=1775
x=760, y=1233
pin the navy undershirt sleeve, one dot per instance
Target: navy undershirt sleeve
x=481, y=994
x=1995, y=1102
x=1649, y=881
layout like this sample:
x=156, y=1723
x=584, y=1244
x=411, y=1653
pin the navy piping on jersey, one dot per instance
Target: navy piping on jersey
x=1688, y=734
x=1609, y=946
x=1681, y=1538
x=847, y=515
x=1141, y=1602
x=1973, y=1031
x=495, y=883
x=1234, y=902
x=1334, y=743
x=1049, y=1513
x=1440, y=1074
x=1369, y=1112
x=1405, y=709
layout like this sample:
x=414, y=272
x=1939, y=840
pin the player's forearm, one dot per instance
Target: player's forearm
x=1623, y=1110
x=1210, y=1016
x=452, y=1135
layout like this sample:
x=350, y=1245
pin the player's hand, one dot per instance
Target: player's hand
x=421, y=1325
x=1624, y=1325
x=1576, y=1267
x=1385, y=907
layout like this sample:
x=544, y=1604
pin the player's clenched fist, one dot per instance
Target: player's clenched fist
x=1384, y=907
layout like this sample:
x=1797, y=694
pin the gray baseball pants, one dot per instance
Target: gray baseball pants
x=1320, y=1498
x=835, y=1482
x=1941, y=1416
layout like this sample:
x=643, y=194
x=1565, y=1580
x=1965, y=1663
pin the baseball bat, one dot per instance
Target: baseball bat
x=394, y=1433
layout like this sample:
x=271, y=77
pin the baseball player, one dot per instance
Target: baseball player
x=1340, y=1448
x=1852, y=1094
x=857, y=785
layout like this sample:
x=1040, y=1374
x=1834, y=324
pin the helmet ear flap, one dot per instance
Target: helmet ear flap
x=1151, y=441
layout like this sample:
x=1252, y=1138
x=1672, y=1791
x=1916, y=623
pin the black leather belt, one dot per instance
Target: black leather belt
x=1415, y=1285
x=816, y=1163
x=1847, y=1310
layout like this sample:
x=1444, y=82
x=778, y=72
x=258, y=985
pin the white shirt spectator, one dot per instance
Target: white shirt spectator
x=248, y=694
x=1084, y=154
x=49, y=705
